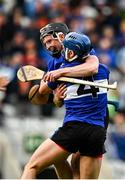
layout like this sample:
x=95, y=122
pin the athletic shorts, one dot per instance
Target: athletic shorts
x=78, y=136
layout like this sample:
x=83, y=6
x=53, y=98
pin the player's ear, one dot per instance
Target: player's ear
x=61, y=36
x=71, y=54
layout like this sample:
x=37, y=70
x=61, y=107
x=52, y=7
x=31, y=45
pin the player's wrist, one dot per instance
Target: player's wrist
x=64, y=71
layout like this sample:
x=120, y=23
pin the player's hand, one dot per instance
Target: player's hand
x=52, y=75
x=59, y=95
x=60, y=91
x=4, y=81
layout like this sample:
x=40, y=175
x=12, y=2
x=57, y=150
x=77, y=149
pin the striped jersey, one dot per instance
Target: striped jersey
x=85, y=103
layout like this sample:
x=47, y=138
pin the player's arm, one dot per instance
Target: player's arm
x=88, y=68
x=59, y=95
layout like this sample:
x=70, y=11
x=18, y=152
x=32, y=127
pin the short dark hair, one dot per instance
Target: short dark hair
x=53, y=28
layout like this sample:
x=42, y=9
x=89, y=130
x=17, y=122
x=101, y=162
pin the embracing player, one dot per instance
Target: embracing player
x=83, y=129
x=51, y=36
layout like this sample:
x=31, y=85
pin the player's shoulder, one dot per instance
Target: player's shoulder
x=103, y=72
x=55, y=63
x=50, y=64
x=103, y=68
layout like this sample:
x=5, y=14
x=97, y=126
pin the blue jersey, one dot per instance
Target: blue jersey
x=55, y=63
x=85, y=103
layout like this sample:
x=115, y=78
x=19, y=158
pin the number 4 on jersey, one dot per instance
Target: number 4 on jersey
x=93, y=90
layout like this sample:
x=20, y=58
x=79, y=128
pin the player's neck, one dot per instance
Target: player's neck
x=57, y=55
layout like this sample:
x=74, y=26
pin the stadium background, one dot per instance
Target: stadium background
x=22, y=125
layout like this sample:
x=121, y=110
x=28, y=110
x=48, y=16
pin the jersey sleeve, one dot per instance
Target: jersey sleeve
x=52, y=85
x=104, y=71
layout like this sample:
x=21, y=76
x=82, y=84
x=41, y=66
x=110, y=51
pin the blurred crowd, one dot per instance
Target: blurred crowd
x=102, y=20
x=20, y=21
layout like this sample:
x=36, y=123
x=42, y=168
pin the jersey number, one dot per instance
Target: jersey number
x=93, y=90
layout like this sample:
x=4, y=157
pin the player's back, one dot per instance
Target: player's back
x=87, y=103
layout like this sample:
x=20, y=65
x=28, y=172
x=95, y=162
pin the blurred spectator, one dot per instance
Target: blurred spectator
x=29, y=8
x=17, y=43
x=14, y=63
x=88, y=11
x=117, y=135
x=8, y=5
x=41, y=14
x=120, y=60
x=89, y=25
x=94, y=36
x=121, y=35
x=31, y=58
x=122, y=93
x=121, y=4
x=76, y=24
x=111, y=15
x=5, y=34
x=105, y=52
x=108, y=32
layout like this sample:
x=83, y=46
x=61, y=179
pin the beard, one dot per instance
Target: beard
x=53, y=51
